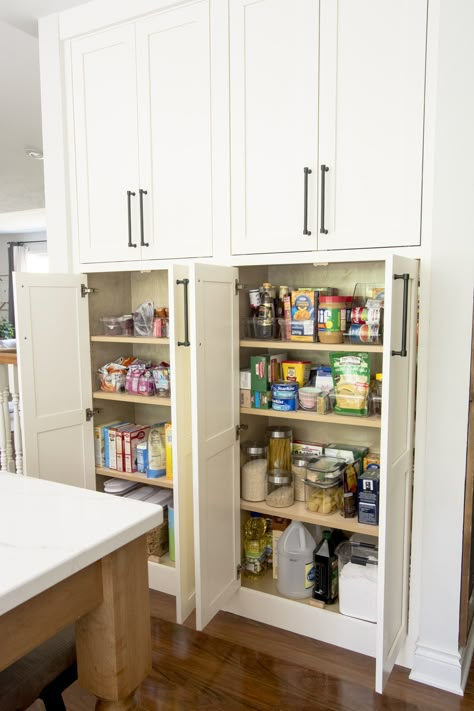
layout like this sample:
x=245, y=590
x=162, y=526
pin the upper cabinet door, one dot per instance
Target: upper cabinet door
x=372, y=74
x=396, y=452
x=274, y=125
x=174, y=109
x=105, y=136
x=52, y=323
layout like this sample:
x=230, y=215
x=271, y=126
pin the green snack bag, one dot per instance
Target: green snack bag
x=351, y=375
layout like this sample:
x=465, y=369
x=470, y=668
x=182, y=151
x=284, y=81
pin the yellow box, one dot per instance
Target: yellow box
x=169, y=450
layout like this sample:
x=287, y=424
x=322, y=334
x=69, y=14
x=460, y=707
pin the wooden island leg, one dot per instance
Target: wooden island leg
x=113, y=641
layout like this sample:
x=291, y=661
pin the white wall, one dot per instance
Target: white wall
x=444, y=356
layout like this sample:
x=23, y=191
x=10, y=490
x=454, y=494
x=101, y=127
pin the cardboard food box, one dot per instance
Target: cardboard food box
x=265, y=369
x=368, y=497
x=131, y=439
x=304, y=312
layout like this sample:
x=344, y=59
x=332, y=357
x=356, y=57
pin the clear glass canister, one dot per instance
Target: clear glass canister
x=279, y=440
x=298, y=467
x=253, y=470
x=280, y=491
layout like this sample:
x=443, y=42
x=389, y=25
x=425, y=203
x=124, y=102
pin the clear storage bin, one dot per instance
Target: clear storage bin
x=358, y=571
x=324, y=498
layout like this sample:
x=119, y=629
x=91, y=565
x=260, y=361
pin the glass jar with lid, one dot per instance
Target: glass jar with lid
x=279, y=440
x=253, y=471
x=279, y=490
x=298, y=467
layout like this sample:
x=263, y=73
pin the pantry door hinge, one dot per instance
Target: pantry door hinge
x=86, y=290
x=238, y=570
x=90, y=412
x=239, y=429
x=238, y=287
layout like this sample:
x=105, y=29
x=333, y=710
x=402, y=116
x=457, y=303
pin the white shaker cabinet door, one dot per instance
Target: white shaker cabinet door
x=396, y=450
x=174, y=108
x=52, y=325
x=274, y=125
x=372, y=74
x=105, y=134
x=215, y=415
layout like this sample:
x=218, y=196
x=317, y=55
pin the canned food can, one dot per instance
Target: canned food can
x=364, y=333
x=361, y=315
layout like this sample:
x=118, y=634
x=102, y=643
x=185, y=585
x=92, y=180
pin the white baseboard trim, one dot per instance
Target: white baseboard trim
x=466, y=660
x=443, y=670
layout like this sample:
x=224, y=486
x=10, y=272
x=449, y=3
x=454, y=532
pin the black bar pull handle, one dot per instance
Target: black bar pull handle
x=186, y=342
x=403, y=351
x=324, y=170
x=142, y=229
x=307, y=171
x=129, y=207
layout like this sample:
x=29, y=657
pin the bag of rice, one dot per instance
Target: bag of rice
x=351, y=376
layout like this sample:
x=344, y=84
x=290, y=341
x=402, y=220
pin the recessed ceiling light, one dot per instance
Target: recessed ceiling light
x=34, y=152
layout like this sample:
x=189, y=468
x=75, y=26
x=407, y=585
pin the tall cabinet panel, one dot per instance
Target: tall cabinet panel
x=105, y=134
x=274, y=124
x=173, y=66
x=372, y=73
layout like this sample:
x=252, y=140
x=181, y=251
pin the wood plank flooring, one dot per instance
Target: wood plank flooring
x=238, y=665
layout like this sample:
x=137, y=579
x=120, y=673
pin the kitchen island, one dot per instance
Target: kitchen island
x=73, y=555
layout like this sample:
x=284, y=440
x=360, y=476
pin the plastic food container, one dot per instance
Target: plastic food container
x=298, y=467
x=358, y=570
x=325, y=469
x=332, y=318
x=279, y=489
x=324, y=497
x=118, y=325
x=264, y=328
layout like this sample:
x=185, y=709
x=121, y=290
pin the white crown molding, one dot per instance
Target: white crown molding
x=23, y=221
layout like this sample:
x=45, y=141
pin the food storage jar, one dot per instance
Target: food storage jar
x=332, y=318
x=279, y=488
x=298, y=467
x=325, y=494
x=253, y=471
x=324, y=468
x=358, y=567
x=279, y=440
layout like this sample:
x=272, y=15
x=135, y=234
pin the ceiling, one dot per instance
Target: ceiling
x=21, y=177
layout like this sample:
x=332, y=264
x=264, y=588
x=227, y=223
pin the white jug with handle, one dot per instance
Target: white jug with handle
x=295, y=561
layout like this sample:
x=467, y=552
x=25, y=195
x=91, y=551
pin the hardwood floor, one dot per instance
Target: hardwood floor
x=238, y=665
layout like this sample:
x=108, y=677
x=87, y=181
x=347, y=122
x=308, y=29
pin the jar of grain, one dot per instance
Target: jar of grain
x=280, y=491
x=253, y=471
x=298, y=467
x=279, y=441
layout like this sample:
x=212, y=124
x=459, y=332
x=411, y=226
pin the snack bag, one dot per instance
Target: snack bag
x=351, y=375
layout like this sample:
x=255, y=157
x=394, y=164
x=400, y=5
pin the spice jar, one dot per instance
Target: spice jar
x=253, y=471
x=279, y=441
x=298, y=467
x=280, y=491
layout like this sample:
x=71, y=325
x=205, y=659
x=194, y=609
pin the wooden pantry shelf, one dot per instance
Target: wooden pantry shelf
x=131, y=339
x=298, y=346
x=140, y=478
x=267, y=584
x=330, y=419
x=128, y=397
x=299, y=512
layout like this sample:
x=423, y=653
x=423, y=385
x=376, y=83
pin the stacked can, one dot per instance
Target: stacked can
x=366, y=324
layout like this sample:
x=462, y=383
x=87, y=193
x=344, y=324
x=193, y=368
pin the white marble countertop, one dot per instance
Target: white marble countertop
x=49, y=531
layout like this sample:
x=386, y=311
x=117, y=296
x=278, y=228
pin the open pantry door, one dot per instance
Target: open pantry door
x=182, y=444
x=398, y=397
x=52, y=334
x=215, y=412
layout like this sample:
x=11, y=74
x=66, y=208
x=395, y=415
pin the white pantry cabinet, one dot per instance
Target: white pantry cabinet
x=215, y=317
x=60, y=347
x=327, y=115
x=140, y=125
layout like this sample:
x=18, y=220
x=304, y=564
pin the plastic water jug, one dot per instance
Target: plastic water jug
x=295, y=561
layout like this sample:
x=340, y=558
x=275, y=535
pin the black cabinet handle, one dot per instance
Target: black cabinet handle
x=307, y=171
x=129, y=207
x=403, y=351
x=186, y=342
x=142, y=230
x=324, y=170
